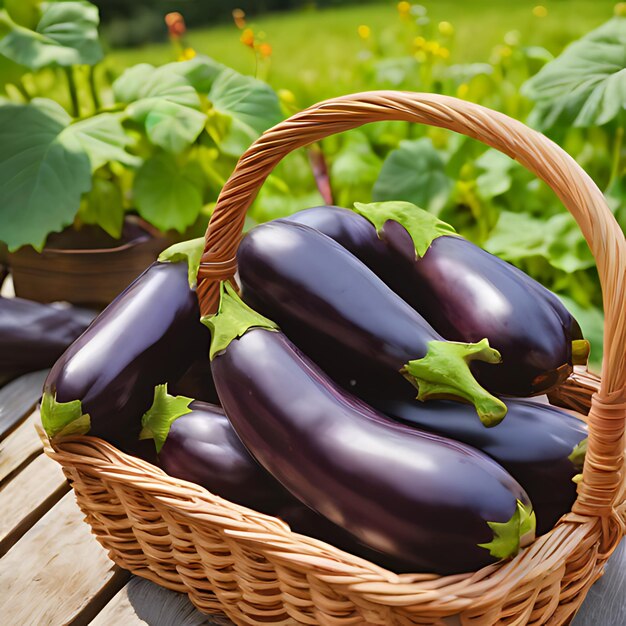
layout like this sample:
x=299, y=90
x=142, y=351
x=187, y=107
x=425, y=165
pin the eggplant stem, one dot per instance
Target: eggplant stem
x=510, y=536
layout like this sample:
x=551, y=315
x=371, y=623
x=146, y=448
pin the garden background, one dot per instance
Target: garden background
x=559, y=66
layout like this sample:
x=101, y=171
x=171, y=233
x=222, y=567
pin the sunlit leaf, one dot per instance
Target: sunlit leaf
x=103, y=206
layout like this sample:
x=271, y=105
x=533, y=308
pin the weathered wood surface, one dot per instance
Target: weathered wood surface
x=27, y=497
x=20, y=447
x=57, y=571
x=18, y=398
x=143, y=602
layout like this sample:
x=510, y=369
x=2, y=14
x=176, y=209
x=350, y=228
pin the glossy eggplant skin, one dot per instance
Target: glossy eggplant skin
x=202, y=447
x=533, y=444
x=409, y=494
x=34, y=335
x=150, y=334
x=466, y=294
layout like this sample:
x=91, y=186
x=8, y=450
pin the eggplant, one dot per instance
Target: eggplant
x=436, y=503
x=150, y=334
x=536, y=443
x=464, y=292
x=337, y=310
x=197, y=382
x=34, y=335
x=194, y=441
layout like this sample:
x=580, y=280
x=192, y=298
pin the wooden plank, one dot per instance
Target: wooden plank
x=605, y=603
x=56, y=571
x=20, y=447
x=143, y=602
x=18, y=398
x=23, y=500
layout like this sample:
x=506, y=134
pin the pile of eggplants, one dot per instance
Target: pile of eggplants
x=341, y=389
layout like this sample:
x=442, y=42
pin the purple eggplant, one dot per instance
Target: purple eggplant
x=150, y=334
x=464, y=292
x=196, y=442
x=536, y=444
x=338, y=311
x=436, y=503
x=34, y=335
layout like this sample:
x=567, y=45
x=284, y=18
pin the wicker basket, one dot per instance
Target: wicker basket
x=251, y=566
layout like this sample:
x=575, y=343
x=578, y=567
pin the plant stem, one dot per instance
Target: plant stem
x=617, y=154
x=92, y=88
x=21, y=87
x=71, y=84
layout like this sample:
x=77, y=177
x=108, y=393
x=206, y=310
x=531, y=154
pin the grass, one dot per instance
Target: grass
x=315, y=52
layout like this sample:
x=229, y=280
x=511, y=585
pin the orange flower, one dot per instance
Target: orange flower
x=175, y=24
x=239, y=17
x=265, y=49
x=247, y=38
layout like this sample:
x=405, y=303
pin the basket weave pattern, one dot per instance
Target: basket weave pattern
x=251, y=566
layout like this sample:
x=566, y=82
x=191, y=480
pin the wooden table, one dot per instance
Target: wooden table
x=53, y=571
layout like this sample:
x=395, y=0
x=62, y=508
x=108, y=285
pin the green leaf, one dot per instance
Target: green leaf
x=495, y=178
x=423, y=227
x=354, y=170
x=63, y=418
x=103, y=139
x=187, y=251
x=67, y=34
x=166, y=194
x=158, y=419
x=508, y=536
x=444, y=373
x=103, y=206
x=232, y=320
x=164, y=102
x=43, y=173
x=415, y=172
x=250, y=106
x=26, y=13
x=518, y=236
x=586, y=85
x=200, y=72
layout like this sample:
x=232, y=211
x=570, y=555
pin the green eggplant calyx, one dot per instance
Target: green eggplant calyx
x=509, y=537
x=232, y=320
x=577, y=456
x=189, y=251
x=580, y=351
x=158, y=419
x=60, y=419
x=444, y=373
x=423, y=226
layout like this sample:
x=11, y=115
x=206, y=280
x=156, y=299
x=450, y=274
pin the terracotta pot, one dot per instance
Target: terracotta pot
x=86, y=267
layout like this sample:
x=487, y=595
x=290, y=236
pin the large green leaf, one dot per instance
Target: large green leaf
x=43, y=172
x=415, y=172
x=167, y=195
x=248, y=106
x=103, y=139
x=520, y=236
x=104, y=206
x=67, y=34
x=586, y=85
x=164, y=102
x=200, y=72
x=354, y=170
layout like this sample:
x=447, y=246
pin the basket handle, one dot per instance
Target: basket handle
x=601, y=475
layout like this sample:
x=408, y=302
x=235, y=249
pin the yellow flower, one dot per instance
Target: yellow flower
x=247, y=38
x=404, y=8
x=239, y=18
x=462, y=90
x=540, y=11
x=620, y=9
x=432, y=46
x=446, y=29
x=187, y=54
x=364, y=31
x=505, y=51
x=419, y=42
x=265, y=49
x=443, y=53
x=286, y=96
x=420, y=55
